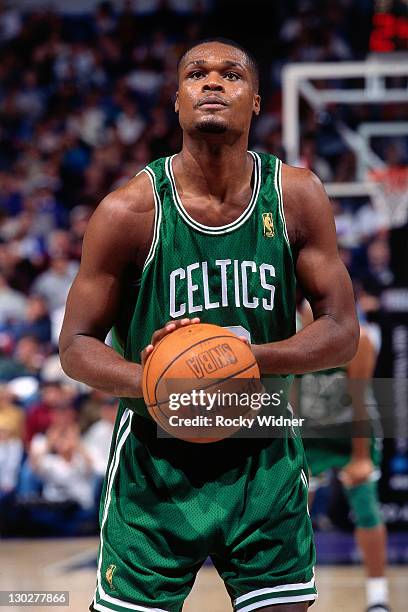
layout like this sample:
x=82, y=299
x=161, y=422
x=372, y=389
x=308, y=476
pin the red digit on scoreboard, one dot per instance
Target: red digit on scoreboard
x=384, y=26
x=402, y=30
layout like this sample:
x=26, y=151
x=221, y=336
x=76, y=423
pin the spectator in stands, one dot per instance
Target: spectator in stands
x=311, y=160
x=11, y=453
x=378, y=275
x=29, y=353
x=37, y=321
x=54, y=413
x=9, y=367
x=97, y=438
x=11, y=416
x=48, y=213
x=78, y=221
x=54, y=284
x=64, y=466
x=10, y=23
x=129, y=124
x=51, y=407
x=12, y=303
x=90, y=410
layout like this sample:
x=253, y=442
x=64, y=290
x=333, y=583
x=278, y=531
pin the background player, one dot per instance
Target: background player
x=187, y=236
x=357, y=459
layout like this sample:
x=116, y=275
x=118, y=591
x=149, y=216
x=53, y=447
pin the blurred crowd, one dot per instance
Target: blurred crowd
x=86, y=100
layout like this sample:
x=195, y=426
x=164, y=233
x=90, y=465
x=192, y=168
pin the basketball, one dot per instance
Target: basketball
x=185, y=363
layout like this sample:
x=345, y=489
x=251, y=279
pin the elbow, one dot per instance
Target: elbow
x=72, y=355
x=64, y=356
x=64, y=365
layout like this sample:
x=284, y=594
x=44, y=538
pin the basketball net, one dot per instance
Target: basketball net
x=390, y=194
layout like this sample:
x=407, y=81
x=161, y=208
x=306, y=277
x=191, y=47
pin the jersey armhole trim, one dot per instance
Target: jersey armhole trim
x=157, y=217
x=278, y=187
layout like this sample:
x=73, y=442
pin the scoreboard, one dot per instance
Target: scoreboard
x=389, y=31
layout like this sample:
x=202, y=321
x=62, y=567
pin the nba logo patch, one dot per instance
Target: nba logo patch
x=109, y=576
x=267, y=221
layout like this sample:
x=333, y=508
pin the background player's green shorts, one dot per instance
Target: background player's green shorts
x=324, y=454
x=167, y=505
x=335, y=453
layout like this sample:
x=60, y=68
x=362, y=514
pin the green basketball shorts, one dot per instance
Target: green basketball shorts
x=168, y=505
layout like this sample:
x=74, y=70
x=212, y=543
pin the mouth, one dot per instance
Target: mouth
x=212, y=102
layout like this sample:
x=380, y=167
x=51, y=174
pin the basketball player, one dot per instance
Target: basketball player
x=203, y=234
x=357, y=459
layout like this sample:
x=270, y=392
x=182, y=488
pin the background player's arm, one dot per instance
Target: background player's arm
x=332, y=338
x=115, y=235
x=360, y=371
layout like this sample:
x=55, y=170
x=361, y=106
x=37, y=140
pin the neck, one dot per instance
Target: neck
x=213, y=168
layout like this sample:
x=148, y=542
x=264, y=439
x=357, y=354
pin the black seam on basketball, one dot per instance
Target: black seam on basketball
x=216, y=381
x=145, y=377
x=185, y=351
x=148, y=366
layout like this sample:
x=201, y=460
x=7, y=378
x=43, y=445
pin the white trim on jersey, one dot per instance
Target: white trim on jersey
x=221, y=229
x=278, y=187
x=157, y=217
x=112, y=471
x=106, y=599
x=304, y=479
x=121, y=428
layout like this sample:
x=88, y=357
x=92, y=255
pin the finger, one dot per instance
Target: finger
x=185, y=321
x=171, y=326
x=160, y=333
x=145, y=353
x=172, y=322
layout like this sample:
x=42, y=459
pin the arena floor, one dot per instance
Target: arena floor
x=68, y=565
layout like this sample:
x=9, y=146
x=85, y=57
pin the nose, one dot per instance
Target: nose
x=213, y=83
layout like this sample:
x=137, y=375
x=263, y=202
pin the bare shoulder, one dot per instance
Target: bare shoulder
x=129, y=203
x=124, y=220
x=120, y=231
x=307, y=206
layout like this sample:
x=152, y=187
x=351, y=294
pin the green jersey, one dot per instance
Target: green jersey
x=239, y=275
x=168, y=504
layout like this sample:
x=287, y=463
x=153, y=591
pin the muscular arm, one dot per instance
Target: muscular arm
x=117, y=237
x=332, y=338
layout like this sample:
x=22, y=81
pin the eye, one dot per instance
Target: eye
x=196, y=74
x=232, y=76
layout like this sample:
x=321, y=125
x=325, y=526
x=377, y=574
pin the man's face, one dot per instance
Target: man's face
x=217, y=93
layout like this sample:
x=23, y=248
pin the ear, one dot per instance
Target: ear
x=176, y=104
x=257, y=104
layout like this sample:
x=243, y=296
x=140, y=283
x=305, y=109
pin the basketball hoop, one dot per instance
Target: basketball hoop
x=390, y=194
